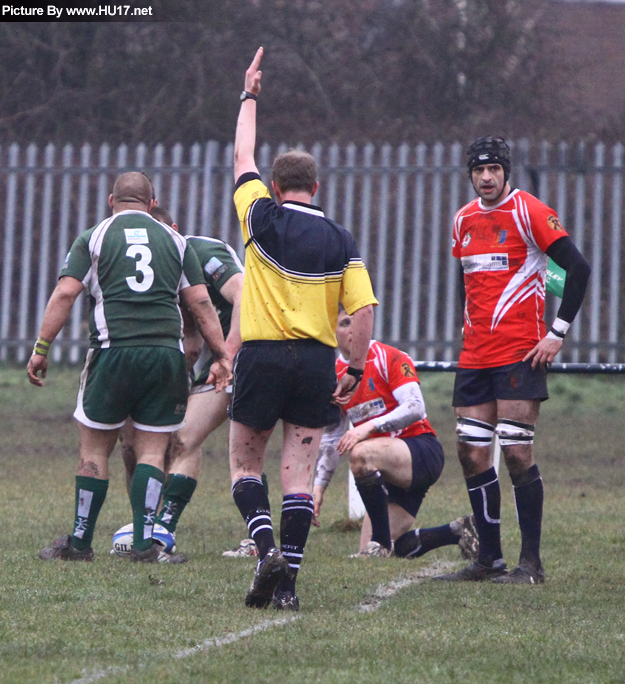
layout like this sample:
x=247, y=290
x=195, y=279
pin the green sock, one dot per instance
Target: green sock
x=90, y=495
x=145, y=493
x=178, y=492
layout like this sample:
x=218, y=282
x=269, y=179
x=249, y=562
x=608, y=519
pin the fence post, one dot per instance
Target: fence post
x=9, y=248
x=27, y=250
x=615, y=250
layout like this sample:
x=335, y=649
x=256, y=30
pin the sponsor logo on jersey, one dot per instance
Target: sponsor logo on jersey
x=466, y=241
x=367, y=410
x=554, y=223
x=213, y=265
x=136, y=236
x=407, y=371
x=485, y=262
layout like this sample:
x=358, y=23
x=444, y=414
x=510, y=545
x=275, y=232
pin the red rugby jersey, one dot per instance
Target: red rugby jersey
x=386, y=369
x=502, y=250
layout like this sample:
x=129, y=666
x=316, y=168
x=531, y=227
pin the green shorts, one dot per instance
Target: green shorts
x=149, y=384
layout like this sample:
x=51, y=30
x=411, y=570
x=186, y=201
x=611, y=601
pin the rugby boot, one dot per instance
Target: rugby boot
x=373, y=550
x=285, y=600
x=270, y=571
x=155, y=554
x=62, y=549
x=524, y=573
x=476, y=572
x=246, y=549
x=469, y=542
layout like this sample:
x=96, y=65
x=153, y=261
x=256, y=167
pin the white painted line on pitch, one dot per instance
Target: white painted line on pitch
x=386, y=591
x=231, y=638
x=186, y=652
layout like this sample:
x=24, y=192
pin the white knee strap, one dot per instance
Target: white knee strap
x=474, y=432
x=512, y=432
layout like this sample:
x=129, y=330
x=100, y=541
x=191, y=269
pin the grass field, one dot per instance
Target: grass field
x=365, y=621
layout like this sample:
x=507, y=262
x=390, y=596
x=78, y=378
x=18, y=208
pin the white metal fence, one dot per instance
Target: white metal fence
x=399, y=203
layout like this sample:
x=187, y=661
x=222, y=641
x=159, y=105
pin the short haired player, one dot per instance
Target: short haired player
x=394, y=454
x=134, y=268
x=503, y=240
x=298, y=266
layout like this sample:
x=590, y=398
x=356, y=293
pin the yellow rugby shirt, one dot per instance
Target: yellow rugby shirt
x=298, y=265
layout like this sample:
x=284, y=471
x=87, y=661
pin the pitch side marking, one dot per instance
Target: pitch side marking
x=386, y=591
x=186, y=652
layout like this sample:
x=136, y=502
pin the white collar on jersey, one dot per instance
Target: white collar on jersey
x=344, y=360
x=304, y=208
x=496, y=206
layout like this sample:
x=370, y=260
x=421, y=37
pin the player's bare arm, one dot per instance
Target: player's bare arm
x=197, y=299
x=245, y=136
x=192, y=341
x=357, y=434
x=57, y=313
x=362, y=327
x=232, y=291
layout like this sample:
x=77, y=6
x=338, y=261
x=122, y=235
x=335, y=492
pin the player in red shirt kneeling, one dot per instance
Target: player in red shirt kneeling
x=394, y=455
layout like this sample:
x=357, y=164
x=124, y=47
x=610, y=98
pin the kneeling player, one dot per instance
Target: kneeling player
x=393, y=453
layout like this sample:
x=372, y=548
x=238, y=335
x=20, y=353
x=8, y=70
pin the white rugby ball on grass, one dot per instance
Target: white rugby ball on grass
x=122, y=539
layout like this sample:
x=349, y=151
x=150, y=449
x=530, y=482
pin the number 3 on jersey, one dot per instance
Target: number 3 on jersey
x=141, y=265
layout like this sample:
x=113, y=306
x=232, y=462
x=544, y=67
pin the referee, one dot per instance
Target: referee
x=299, y=265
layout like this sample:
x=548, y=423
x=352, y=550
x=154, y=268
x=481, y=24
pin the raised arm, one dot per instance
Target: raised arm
x=245, y=136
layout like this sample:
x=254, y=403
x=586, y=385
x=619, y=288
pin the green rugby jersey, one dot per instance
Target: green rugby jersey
x=132, y=267
x=219, y=262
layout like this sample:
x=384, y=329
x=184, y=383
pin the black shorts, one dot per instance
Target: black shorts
x=428, y=460
x=292, y=380
x=476, y=386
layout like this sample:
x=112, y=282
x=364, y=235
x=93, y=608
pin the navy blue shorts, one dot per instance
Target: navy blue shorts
x=476, y=386
x=292, y=380
x=428, y=460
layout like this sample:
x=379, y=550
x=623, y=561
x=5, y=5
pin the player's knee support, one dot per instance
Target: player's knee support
x=474, y=432
x=511, y=432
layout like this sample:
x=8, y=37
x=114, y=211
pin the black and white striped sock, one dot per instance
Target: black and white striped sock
x=297, y=512
x=252, y=501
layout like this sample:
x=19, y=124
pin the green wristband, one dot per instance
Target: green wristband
x=42, y=347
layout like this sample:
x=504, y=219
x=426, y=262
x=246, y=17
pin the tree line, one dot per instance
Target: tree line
x=334, y=70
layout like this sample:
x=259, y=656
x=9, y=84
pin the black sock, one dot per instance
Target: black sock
x=415, y=543
x=297, y=512
x=529, y=495
x=253, y=503
x=374, y=496
x=485, y=497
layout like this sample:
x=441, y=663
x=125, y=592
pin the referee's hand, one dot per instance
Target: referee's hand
x=345, y=389
x=254, y=74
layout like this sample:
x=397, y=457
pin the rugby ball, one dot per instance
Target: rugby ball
x=122, y=539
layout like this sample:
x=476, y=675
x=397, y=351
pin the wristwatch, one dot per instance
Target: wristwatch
x=248, y=96
x=355, y=373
